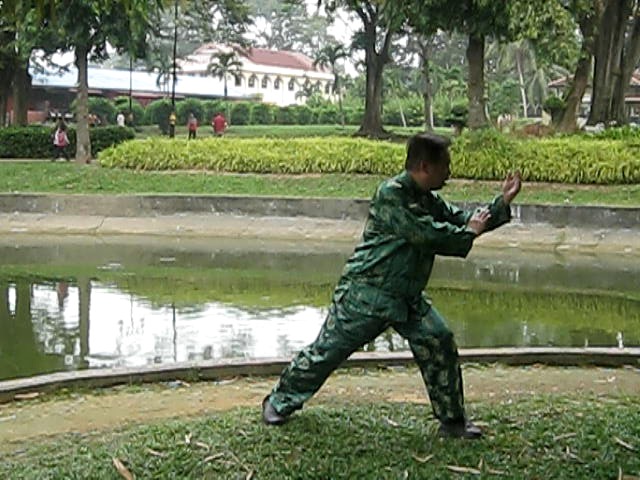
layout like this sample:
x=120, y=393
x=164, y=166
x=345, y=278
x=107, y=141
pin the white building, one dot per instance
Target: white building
x=269, y=75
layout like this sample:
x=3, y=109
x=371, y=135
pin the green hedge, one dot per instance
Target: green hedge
x=37, y=141
x=262, y=155
x=476, y=155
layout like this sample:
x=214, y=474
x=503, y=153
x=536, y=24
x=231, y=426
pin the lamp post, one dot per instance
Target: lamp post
x=172, y=116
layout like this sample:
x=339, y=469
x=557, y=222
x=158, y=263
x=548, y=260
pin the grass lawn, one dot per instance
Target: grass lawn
x=46, y=177
x=282, y=131
x=536, y=437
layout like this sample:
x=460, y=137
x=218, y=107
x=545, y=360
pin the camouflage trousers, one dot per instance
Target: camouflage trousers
x=349, y=325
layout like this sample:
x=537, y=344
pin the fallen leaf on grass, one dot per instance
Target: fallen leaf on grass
x=187, y=438
x=26, y=396
x=626, y=445
x=456, y=469
x=213, y=457
x=155, y=453
x=565, y=435
x=572, y=455
x=422, y=460
x=203, y=446
x=249, y=475
x=122, y=470
x=391, y=422
x=622, y=476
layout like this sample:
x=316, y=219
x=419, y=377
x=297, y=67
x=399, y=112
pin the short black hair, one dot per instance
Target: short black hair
x=426, y=147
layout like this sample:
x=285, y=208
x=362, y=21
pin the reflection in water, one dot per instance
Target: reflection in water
x=232, y=304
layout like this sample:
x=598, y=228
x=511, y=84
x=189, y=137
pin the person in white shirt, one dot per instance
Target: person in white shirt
x=120, y=119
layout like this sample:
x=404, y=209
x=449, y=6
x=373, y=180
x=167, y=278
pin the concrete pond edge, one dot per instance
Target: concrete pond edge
x=11, y=390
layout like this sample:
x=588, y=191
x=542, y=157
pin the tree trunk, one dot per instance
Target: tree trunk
x=475, y=89
x=608, y=60
x=372, y=122
x=427, y=95
x=567, y=119
x=523, y=90
x=630, y=59
x=21, y=87
x=83, y=141
x=337, y=91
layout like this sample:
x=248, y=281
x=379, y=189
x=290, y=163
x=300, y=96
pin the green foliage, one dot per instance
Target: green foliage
x=286, y=116
x=628, y=133
x=553, y=103
x=188, y=106
x=240, y=113
x=328, y=115
x=157, y=113
x=486, y=154
x=212, y=107
x=122, y=105
x=304, y=114
x=100, y=106
x=37, y=141
x=295, y=155
x=262, y=114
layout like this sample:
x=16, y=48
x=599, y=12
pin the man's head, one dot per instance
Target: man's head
x=428, y=160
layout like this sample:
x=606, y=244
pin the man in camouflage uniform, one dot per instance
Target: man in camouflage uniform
x=382, y=286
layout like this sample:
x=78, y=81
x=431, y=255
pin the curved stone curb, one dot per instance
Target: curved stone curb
x=329, y=208
x=215, y=370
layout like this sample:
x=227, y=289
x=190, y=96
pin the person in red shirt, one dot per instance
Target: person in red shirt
x=192, y=125
x=219, y=124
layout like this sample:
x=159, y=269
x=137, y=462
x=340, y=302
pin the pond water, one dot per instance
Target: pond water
x=75, y=303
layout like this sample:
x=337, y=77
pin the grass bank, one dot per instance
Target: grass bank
x=281, y=131
x=44, y=177
x=538, y=436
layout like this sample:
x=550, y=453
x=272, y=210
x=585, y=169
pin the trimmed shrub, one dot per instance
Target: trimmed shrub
x=240, y=113
x=187, y=106
x=286, y=115
x=262, y=114
x=304, y=115
x=328, y=115
x=37, y=141
x=100, y=106
x=261, y=155
x=122, y=105
x=157, y=113
x=483, y=154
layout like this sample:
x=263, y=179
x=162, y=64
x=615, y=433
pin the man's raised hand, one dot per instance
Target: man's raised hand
x=479, y=220
x=511, y=187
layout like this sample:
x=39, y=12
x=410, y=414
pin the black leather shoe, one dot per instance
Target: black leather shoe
x=463, y=429
x=269, y=414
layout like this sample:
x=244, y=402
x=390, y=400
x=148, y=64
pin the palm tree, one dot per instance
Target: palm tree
x=223, y=64
x=328, y=56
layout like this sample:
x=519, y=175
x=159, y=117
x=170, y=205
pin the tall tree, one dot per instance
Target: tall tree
x=617, y=52
x=328, y=57
x=586, y=14
x=224, y=64
x=88, y=26
x=381, y=20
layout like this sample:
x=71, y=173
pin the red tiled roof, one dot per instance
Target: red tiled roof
x=280, y=58
x=562, y=81
x=273, y=58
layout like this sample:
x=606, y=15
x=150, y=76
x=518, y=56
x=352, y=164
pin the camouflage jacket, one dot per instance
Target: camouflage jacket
x=405, y=229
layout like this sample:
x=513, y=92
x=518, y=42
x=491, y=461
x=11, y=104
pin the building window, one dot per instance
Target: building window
x=276, y=84
x=238, y=79
x=265, y=82
x=292, y=85
x=252, y=81
x=327, y=88
x=317, y=87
